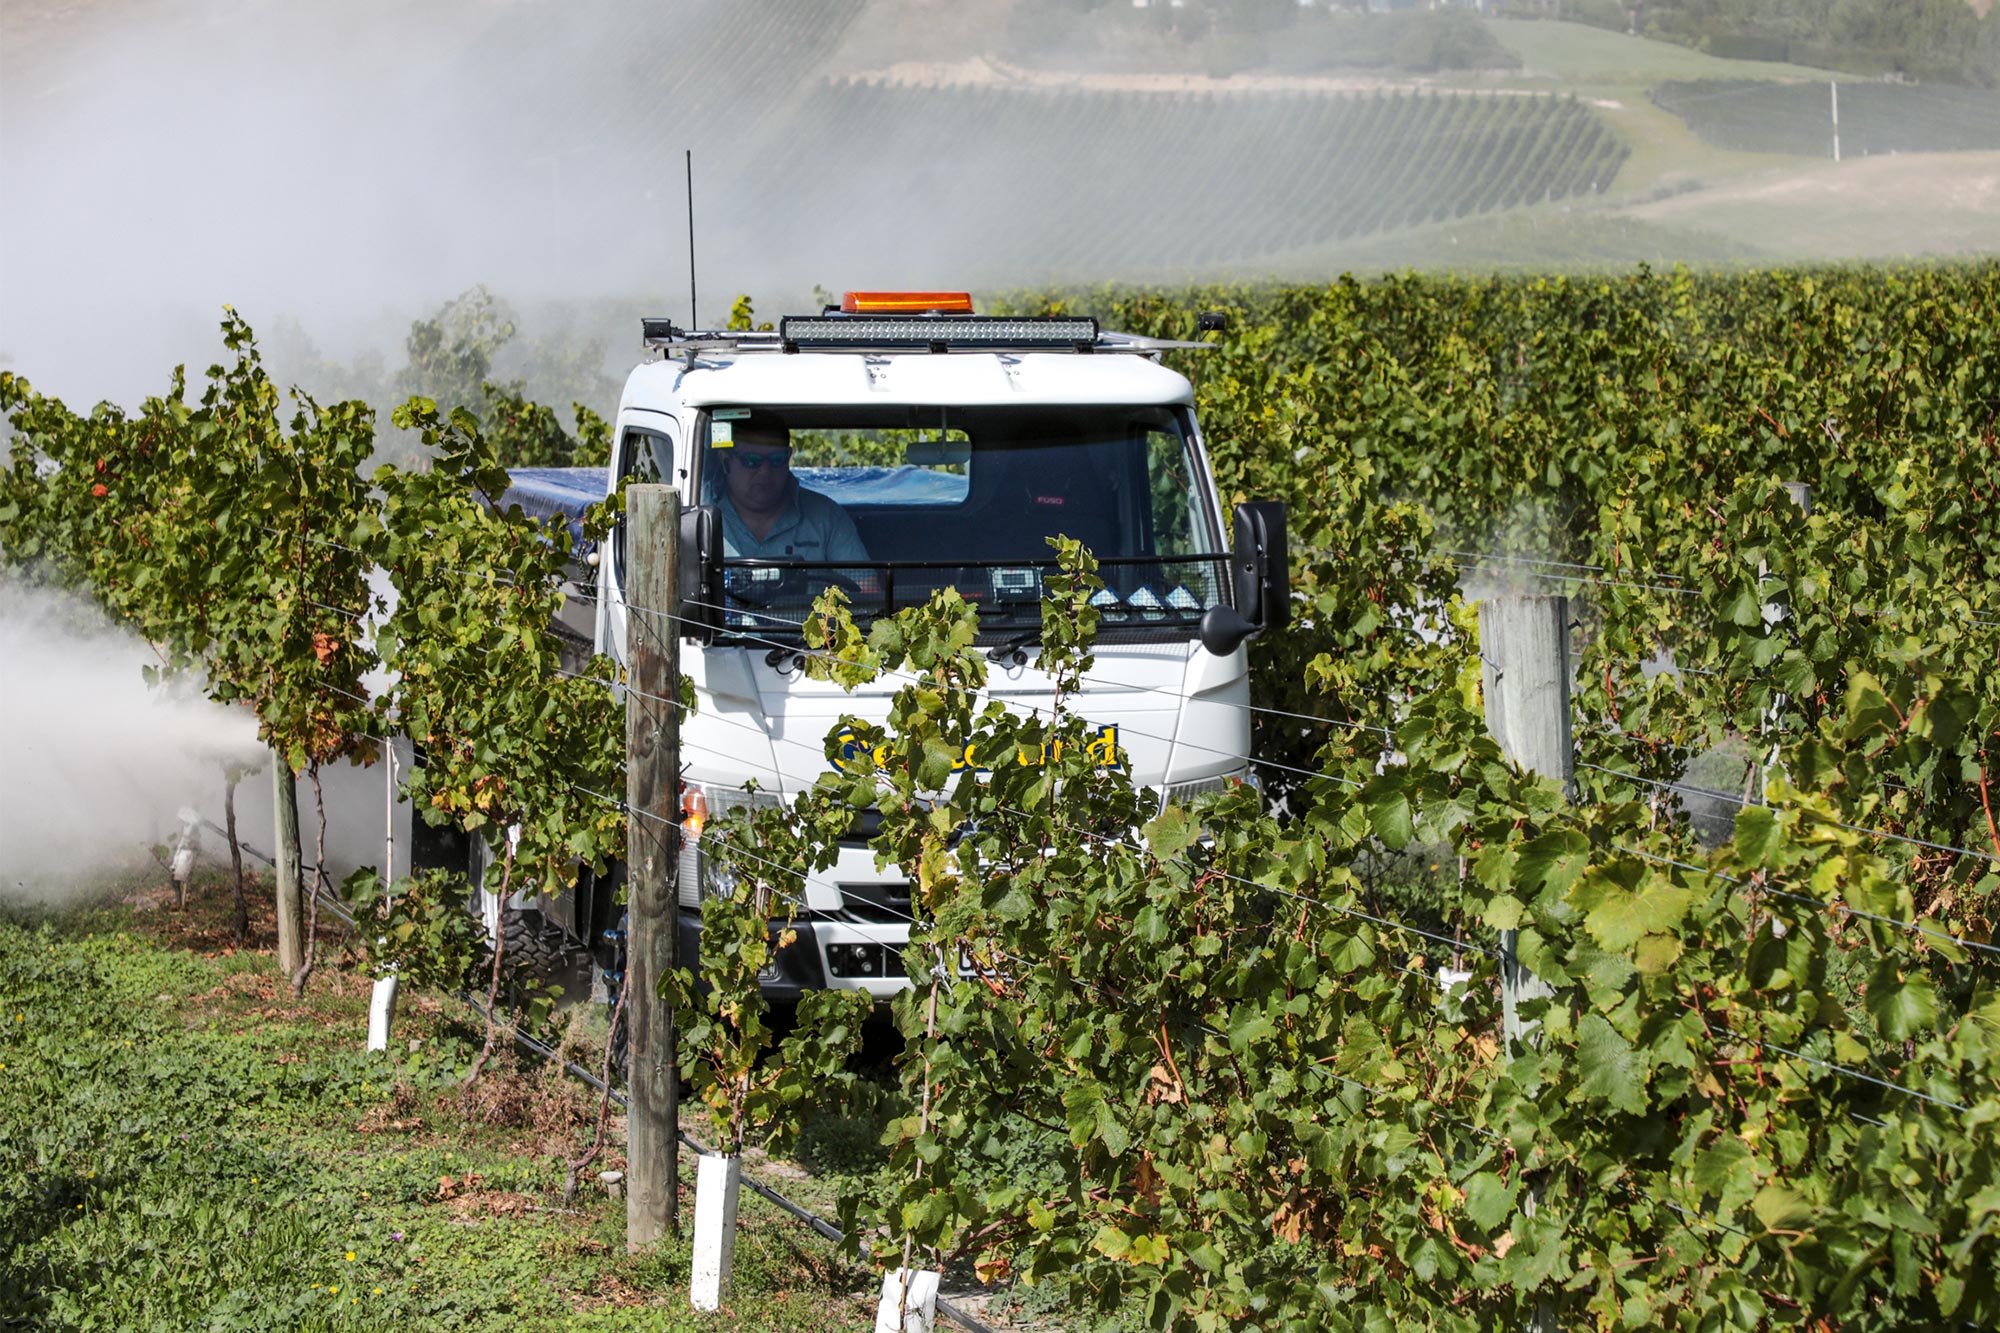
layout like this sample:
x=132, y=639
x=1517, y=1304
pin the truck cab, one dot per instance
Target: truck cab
x=956, y=445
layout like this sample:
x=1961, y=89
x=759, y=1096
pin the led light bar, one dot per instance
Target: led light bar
x=936, y=330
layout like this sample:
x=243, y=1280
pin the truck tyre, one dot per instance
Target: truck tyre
x=538, y=944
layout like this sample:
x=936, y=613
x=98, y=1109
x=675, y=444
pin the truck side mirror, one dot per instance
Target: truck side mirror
x=1261, y=574
x=701, y=573
x=1263, y=563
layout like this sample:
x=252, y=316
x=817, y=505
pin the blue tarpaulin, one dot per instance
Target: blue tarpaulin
x=557, y=492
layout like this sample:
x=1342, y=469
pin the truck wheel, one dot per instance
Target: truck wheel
x=538, y=944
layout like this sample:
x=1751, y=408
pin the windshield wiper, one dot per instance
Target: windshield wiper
x=1014, y=651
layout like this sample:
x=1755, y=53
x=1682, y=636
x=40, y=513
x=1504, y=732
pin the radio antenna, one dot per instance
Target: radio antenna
x=694, y=320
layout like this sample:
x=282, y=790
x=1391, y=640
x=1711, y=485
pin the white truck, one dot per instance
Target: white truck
x=892, y=446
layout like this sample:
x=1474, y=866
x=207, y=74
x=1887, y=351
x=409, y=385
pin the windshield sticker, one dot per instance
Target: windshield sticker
x=855, y=757
x=721, y=435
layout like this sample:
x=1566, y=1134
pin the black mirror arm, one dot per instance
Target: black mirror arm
x=1224, y=629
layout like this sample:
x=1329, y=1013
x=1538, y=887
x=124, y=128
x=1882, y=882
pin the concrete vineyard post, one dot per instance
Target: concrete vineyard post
x=1801, y=494
x=652, y=798
x=242, y=907
x=291, y=915
x=1524, y=652
x=1524, y=648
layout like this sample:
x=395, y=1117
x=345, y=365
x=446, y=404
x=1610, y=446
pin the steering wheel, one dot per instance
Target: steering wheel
x=833, y=578
x=793, y=582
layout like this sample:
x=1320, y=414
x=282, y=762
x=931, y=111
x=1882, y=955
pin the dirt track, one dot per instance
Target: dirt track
x=1917, y=203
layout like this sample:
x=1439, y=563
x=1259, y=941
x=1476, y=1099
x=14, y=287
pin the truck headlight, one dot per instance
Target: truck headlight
x=702, y=873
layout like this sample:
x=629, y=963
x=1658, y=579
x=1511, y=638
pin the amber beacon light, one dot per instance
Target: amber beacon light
x=906, y=303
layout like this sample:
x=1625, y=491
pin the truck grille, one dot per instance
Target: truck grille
x=873, y=904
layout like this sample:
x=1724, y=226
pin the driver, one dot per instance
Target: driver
x=767, y=515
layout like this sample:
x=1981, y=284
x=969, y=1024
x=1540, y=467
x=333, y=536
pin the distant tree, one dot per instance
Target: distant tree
x=1253, y=15
x=451, y=353
x=524, y=433
x=1944, y=41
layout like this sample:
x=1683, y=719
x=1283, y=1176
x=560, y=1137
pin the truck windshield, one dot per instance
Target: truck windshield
x=891, y=504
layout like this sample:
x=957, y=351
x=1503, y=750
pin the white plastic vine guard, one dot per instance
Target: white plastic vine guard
x=381, y=1012
x=914, y=1313
x=717, y=1180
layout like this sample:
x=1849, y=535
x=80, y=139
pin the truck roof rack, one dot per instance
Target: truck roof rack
x=836, y=332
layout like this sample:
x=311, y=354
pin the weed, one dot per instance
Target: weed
x=183, y=1146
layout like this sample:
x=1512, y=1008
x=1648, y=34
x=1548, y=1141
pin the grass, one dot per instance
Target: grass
x=1581, y=56
x=183, y=1146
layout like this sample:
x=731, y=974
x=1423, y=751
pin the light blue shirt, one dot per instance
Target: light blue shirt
x=810, y=527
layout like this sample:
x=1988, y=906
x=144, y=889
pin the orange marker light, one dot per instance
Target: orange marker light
x=906, y=303
x=694, y=812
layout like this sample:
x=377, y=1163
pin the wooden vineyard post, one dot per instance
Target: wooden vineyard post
x=1524, y=651
x=291, y=915
x=652, y=798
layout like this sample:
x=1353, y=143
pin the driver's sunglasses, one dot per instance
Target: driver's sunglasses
x=751, y=462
